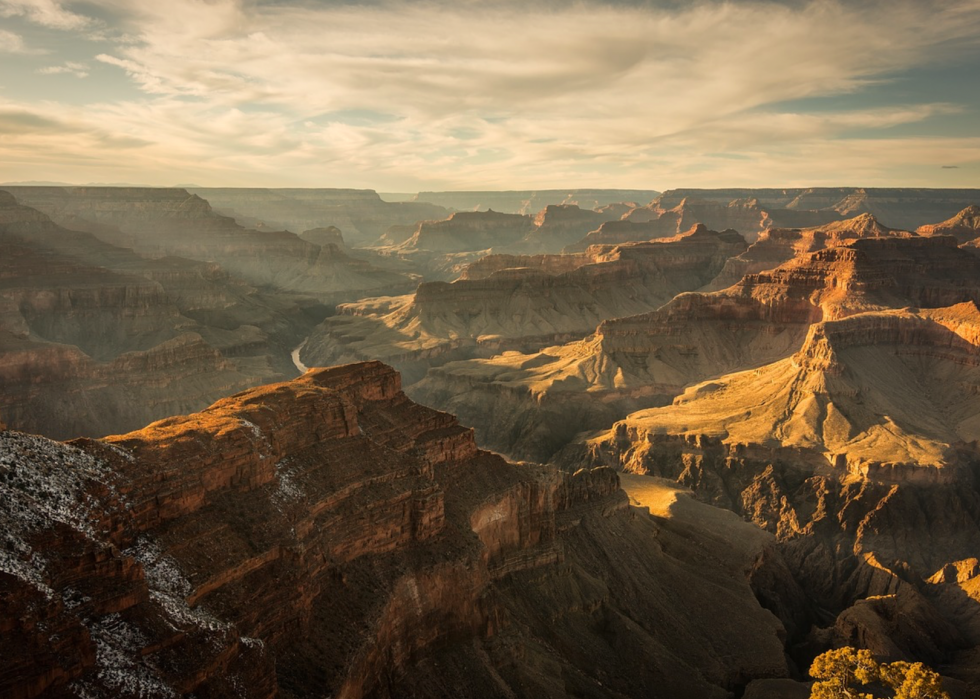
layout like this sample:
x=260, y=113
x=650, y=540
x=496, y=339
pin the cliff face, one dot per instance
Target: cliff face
x=528, y=202
x=861, y=392
x=161, y=222
x=516, y=302
x=844, y=452
x=529, y=405
x=441, y=248
x=667, y=216
x=96, y=339
x=470, y=230
x=901, y=208
x=964, y=226
x=360, y=213
x=779, y=245
x=329, y=536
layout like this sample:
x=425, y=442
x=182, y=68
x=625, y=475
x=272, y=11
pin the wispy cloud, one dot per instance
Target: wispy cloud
x=402, y=94
x=47, y=13
x=13, y=43
x=79, y=70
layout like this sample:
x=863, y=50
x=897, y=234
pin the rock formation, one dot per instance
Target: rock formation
x=439, y=249
x=329, y=537
x=528, y=202
x=902, y=208
x=519, y=302
x=469, y=231
x=529, y=405
x=964, y=226
x=778, y=245
x=360, y=213
x=161, y=222
x=860, y=454
x=664, y=217
x=95, y=338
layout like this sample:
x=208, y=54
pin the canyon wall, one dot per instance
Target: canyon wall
x=328, y=536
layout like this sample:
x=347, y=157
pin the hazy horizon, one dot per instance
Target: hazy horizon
x=407, y=97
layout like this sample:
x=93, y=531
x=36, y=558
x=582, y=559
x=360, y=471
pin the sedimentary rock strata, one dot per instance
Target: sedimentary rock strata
x=843, y=451
x=509, y=302
x=329, y=536
x=360, y=213
x=529, y=202
x=779, y=245
x=964, y=226
x=160, y=222
x=96, y=338
x=531, y=404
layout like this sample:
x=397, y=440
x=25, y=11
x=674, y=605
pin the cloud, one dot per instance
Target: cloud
x=47, y=13
x=504, y=93
x=13, y=43
x=79, y=70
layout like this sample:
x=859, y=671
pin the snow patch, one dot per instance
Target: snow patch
x=43, y=482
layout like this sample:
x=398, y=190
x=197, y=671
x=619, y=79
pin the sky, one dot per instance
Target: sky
x=403, y=96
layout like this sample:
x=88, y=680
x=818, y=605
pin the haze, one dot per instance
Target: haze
x=401, y=96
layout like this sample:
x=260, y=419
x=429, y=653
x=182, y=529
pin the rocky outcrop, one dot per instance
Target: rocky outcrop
x=60, y=391
x=470, y=231
x=625, y=231
x=329, y=536
x=360, y=213
x=161, y=222
x=964, y=226
x=441, y=248
x=858, y=393
x=529, y=405
x=557, y=225
x=779, y=245
x=545, y=299
x=330, y=235
x=842, y=451
x=900, y=208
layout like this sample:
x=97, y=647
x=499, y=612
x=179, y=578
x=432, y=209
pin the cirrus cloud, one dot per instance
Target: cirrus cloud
x=403, y=95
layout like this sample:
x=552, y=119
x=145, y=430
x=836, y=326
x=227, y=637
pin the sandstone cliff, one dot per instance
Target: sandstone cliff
x=860, y=454
x=529, y=405
x=964, y=226
x=778, y=245
x=329, y=537
x=439, y=249
x=519, y=302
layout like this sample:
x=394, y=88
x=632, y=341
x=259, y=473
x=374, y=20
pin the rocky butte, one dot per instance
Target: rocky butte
x=860, y=454
x=327, y=536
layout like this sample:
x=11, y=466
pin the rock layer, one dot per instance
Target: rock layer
x=529, y=405
x=329, y=536
x=96, y=339
x=508, y=302
x=160, y=222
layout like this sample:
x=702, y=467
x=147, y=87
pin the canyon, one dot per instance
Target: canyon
x=505, y=302
x=327, y=535
x=530, y=404
x=731, y=429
